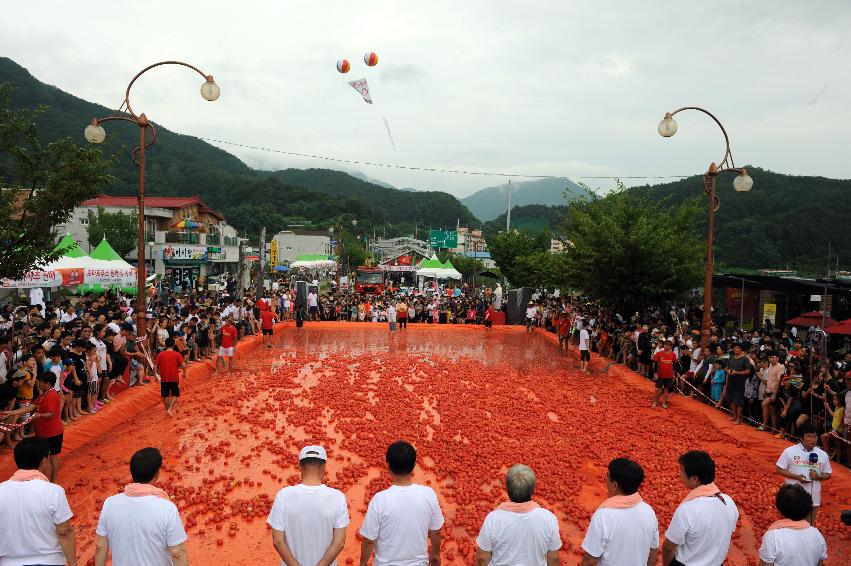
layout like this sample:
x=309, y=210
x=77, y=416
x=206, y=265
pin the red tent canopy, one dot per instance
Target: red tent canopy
x=811, y=319
x=843, y=327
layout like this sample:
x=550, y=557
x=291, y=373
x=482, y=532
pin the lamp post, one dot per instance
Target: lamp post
x=742, y=183
x=94, y=133
x=339, y=247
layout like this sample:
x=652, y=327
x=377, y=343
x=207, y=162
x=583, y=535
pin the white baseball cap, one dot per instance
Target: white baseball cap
x=312, y=452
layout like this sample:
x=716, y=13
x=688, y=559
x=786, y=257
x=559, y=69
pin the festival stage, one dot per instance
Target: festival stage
x=473, y=403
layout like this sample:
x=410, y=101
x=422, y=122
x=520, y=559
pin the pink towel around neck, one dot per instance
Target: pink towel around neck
x=621, y=501
x=143, y=489
x=27, y=475
x=788, y=524
x=707, y=490
x=526, y=507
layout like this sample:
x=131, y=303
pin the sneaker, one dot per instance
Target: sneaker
x=93, y=411
x=761, y=427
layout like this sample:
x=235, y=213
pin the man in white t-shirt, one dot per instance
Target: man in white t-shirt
x=35, y=519
x=792, y=541
x=584, y=351
x=531, y=317
x=313, y=305
x=703, y=524
x=807, y=465
x=141, y=525
x=309, y=520
x=624, y=529
x=519, y=531
x=401, y=520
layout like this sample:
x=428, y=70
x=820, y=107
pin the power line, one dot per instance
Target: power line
x=436, y=169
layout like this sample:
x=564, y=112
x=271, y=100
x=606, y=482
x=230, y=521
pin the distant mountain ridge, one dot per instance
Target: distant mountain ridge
x=487, y=204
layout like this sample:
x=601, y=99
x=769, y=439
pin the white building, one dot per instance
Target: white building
x=470, y=241
x=212, y=248
x=556, y=246
x=293, y=243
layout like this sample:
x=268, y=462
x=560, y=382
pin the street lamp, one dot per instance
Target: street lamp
x=742, y=184
x=94, y=133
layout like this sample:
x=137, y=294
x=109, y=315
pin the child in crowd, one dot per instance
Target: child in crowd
x=719, y=378
x=92, y=371
x=836, y=411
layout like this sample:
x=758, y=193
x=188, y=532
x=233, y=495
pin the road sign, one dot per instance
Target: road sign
x=443, y=239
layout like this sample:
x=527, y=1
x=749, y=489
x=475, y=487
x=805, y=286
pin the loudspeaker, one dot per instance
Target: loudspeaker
x=515, y=305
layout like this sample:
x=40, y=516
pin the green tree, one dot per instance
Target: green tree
x=120, y=230
x=39, y=187
x=518, y=254
x=629, y=250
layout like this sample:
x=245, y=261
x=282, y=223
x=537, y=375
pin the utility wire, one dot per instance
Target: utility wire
x=437, y=169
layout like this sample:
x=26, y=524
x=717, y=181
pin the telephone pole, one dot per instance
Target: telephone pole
x=262, y=262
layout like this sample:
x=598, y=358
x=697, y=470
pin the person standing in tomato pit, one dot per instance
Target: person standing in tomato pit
x=664, y=360
x=47, y=420
x=563, y=325
x=169, y=362
x=267, y=325
x=227, y=344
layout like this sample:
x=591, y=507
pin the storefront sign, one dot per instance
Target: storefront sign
x=216, y=253
x=185, y=253
x=769, y=312
x=273, y=253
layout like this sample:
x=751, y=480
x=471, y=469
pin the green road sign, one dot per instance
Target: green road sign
x=443, y=239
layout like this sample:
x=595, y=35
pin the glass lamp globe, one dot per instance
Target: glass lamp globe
x=94, y=133
x=210, y=90
x=331, y=229
x=667, y=127
x=743, y=182
x=354, y=222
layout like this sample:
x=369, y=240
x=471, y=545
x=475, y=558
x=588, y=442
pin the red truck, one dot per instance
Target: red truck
x=369, y=280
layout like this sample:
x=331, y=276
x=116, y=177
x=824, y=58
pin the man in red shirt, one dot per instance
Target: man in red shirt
x=563, y=323
x=227, y=344
x=47, y=420
x=267, y=325
x=664, y=360
x=169, y=362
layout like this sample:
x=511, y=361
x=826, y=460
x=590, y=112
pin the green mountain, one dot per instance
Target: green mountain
x=183, y=165
x=488, y=204
x=534, y=218
x=785, y=220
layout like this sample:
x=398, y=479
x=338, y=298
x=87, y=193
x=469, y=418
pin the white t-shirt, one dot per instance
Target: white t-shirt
x=312, y=300
x=531, y=312
x=797, y=460
x=399, y=519
x=793, y=547
x=622, y=536
x=140, y=529
x=519, y=538
x=583, y=339
x=308, y=515
x=391, y=313
x=701, y=529
x=101, y=350
x=29, y=513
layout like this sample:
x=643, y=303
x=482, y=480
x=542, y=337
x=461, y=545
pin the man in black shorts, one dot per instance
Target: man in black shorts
x=169, y=362
x=739, y=367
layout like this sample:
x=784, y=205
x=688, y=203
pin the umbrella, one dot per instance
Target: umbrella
x=843, y=328
x=280, y=268
x=811, y=319
x=187, y=224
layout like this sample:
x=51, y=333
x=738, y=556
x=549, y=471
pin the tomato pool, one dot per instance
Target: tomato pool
x=472, y=402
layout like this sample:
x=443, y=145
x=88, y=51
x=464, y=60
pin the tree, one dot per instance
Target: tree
x=630, y=251
x=120, y=230
x=518, y=254
x=41, y=185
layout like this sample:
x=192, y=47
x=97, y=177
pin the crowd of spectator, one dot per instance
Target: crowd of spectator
x=775, y=379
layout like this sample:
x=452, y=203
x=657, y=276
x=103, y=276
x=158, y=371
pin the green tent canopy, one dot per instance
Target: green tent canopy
x=105, y=252
x=70, y=246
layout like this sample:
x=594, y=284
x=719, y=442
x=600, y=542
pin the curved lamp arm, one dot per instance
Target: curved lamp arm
x=141, y=121
x=208, y=78
x=727, y=161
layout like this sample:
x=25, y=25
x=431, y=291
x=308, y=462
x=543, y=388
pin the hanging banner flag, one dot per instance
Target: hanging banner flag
x=273, y=253
x=362, y=87
x=124, y=276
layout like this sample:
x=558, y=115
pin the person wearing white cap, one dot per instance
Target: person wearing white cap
x=401, y=520
x=309, y=520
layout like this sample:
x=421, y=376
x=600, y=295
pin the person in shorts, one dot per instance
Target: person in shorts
x=665, y=360
x=227, y=344
x=531, y=317
x=267, y=325
x=169, y=364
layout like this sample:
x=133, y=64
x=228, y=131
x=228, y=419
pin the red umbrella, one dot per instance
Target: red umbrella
x=811, y=319
x=843, y=327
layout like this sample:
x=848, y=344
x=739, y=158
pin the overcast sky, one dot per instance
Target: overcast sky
x=561, y=87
